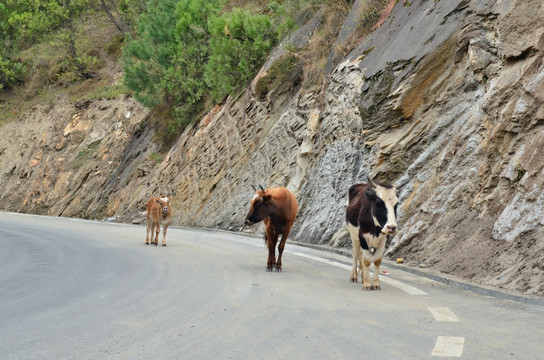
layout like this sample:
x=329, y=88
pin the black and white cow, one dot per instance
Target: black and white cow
x=371, y=217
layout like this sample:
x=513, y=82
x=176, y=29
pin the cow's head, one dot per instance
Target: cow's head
x=260, y=207
x=164, y=201
x=384, y=206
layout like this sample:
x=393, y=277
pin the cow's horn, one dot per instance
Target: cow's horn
x=253, y=188
x=370, y=181
x=261, y=188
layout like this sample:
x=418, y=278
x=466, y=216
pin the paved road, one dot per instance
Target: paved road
x=73, y=289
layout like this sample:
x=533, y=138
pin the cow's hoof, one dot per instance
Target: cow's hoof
x=268, y=269
x=155, y=244
x=278, y=269
x=376, y=287
x=367, y=288
x=353, y=280
x=164, y=245
x=147, y=243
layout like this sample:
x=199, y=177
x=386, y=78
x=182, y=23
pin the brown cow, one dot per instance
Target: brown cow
x=159, y=212
x=277, y=208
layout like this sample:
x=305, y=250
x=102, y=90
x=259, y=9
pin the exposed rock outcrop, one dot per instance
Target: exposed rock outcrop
x=446, y=97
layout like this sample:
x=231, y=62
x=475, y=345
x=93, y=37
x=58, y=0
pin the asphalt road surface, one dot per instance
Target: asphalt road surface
x=74, y=289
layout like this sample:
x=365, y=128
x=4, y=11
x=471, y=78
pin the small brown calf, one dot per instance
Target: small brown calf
x=158, y=212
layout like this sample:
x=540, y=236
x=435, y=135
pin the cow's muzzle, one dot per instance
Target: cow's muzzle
x=248, y=222
x=372, y=250
x=390, y=229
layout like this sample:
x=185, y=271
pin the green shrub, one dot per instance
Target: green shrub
x=187, y=53
x=147, y=58
x=11, y=73
x=239, y=45
x=164, y=65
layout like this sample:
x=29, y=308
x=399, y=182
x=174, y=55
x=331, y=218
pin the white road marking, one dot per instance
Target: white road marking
x=449, y=346
x=400, y=285
x=443, y=314
x=404, y=287
x=446, y=346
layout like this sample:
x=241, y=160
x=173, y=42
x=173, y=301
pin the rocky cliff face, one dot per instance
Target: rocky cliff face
x=68, y=159
x=446, y=97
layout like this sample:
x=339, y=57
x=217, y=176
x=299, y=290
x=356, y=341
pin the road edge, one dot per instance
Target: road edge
x=438, y=277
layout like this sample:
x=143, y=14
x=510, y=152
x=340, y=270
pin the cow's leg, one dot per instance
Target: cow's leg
x=164, y=234
x=281, y=246
x=147, y=232
x=360, y=263
x=152, y=230
x=157, y=232
x=375, y=279
x=366, y=274
x=377, y=260
x=355, y=251
x=272, y=239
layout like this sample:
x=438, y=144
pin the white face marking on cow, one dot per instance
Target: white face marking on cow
x=389, y=197
x=165, y=199
x=255, y=197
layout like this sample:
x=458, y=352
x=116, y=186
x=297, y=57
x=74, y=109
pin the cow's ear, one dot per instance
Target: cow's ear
x=371, y=194
x=266, y=198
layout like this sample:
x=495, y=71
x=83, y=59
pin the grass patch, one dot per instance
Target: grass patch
x=49, y=73
x=285, y=72
x=8, y=114
x=14, y=104
x=107, y=92
x=156, y=157
x=315, y=56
